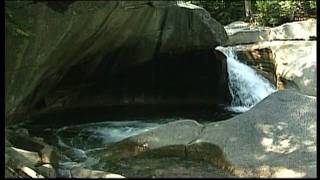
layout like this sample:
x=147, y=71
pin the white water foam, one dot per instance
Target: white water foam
x=84, y=136
x=246, y=86
x=117, y=131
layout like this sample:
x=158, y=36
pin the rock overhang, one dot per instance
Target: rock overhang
x=97, y=40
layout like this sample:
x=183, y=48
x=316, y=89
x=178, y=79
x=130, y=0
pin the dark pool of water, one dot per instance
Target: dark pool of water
x=94, y=127
x=81, y=130
x=146, y=113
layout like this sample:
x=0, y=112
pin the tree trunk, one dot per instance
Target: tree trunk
x=247, y=6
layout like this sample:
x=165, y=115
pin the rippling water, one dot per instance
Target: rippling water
x=94, y=135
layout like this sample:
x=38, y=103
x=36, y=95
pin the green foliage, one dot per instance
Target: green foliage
x=17, y=26
x=266, y=12
x=271, y=12
x=224, y=11
x=313, y=5
x=275, y=12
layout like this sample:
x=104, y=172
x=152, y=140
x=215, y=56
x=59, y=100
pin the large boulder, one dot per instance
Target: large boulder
x=241, y=33
x=297, y=63
x=25, y=159
x=94, y=53
x=167, y=151
x=276, y=138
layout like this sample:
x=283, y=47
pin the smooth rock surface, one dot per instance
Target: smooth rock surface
x=164, y=136
x=279, y=132
x=297, y=62
x=99, y=53
x=241, y=33
x=78, y=172
x=276, y=138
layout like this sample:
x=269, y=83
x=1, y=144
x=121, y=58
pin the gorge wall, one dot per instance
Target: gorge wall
x=82, y=53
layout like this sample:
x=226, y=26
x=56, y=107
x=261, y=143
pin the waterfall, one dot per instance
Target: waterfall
x=246, y=86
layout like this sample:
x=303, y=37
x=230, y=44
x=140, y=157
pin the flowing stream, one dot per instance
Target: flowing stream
x=81, y=144
x=247, y=87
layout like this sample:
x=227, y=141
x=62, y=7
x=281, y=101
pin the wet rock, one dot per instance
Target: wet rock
x=165, y=135
x=64, y=173
x=261, y=59
x=291, y=63
x=143, y=155
x=76, y=155
x=22, y=131
x=169, y=134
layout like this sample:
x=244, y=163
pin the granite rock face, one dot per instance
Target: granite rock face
x=241, y=33
x=98, y=53
x=276, y=138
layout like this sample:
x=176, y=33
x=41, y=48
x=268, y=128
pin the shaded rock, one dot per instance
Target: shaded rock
x=64, y=173
x=209, y=152
x=23, y=142
x=78, y=172
x=7, y=142
x=22, y=131
x=10, y=173
x=169, y=134
x=31, y=152
x=261, y=59
x=146, y=166
x=279, y=132
x=163, y=136
x=46, y=170
x=162, y=151
x=17, y=157
x=76, y=155
x=138, y=52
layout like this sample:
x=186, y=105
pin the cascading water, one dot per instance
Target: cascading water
x=246, y=86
